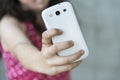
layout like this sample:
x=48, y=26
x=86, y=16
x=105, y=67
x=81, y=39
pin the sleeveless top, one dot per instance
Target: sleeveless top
x=15, y=71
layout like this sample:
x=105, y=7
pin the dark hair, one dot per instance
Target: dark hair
x=14, y=8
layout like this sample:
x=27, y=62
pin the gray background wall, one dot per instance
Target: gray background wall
x=100, y=24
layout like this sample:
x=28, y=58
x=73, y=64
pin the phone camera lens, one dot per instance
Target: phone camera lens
x=57, y=13
x=64, y=10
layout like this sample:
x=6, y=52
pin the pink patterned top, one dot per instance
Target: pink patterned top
x=15, y=71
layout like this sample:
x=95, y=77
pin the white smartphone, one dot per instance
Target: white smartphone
x=62, y=16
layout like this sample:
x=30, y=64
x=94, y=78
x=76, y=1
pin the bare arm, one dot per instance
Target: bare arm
x=44, y=61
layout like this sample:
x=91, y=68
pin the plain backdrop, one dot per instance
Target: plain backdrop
x=100, y=24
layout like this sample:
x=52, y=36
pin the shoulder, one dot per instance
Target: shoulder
x=11, y=33
x=9, y=19
x=10, y=22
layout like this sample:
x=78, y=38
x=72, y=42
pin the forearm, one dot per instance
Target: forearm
x=27, y=54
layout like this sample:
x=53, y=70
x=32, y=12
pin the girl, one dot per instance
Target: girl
x=26, y=45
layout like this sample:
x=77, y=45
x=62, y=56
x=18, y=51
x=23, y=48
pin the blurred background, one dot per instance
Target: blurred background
x=100, y=24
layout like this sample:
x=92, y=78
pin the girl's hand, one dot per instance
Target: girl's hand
x=49, y=62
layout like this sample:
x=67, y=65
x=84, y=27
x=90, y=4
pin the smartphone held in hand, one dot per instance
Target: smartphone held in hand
x=62, y=16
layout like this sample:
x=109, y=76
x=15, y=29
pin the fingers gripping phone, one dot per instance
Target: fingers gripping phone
x=62, y=16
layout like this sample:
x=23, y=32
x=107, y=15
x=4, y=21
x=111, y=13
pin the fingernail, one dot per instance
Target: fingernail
x=82, y=51
x=61, y=31
x=72, y=42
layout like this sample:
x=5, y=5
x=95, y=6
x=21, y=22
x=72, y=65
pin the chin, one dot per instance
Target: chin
x=41, y=8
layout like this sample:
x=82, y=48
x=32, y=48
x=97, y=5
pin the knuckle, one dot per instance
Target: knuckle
x=70, y=67
x=54, y=71
x=67, y=61
x=44, y=34
x=54, y=48
x=49, y=62
x=46, y=55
